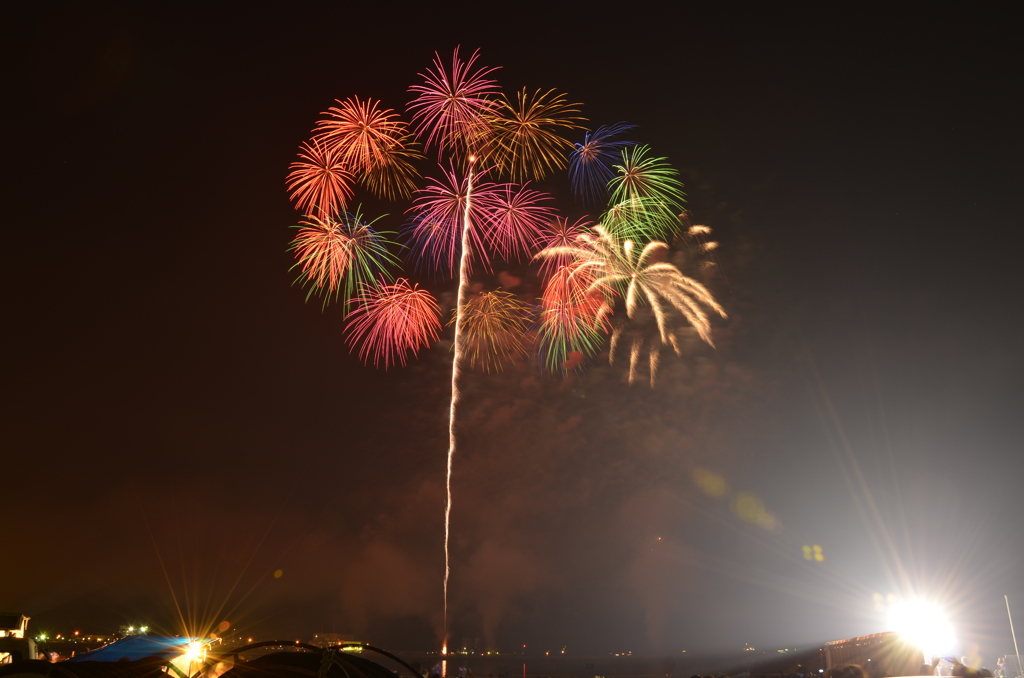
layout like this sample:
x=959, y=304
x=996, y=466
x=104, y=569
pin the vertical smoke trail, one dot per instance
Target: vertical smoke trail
x=456, y=364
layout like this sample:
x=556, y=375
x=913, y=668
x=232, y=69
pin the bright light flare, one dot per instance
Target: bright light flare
x=194, y=652
x=924, y=624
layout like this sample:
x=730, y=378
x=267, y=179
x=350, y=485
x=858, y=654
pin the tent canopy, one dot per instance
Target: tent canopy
x=134, y=648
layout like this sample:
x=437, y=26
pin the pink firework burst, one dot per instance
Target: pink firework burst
x=437, y=215
x=390, y=321
x=453, y=106
x=505, y=219
x=514, y=219
x=319, y=180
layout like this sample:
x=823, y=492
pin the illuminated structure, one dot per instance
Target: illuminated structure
x=14, y=646
x=887, y=653
x=13, y=625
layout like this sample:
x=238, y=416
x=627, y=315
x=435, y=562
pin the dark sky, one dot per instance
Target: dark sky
x=178, y=423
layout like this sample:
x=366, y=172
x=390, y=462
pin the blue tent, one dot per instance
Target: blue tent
x=133, y=648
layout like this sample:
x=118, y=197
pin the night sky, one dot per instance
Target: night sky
x=179, y=424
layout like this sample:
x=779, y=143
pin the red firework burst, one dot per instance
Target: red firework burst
x=390, y=321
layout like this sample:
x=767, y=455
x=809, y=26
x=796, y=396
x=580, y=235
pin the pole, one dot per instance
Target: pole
x=1020, y=669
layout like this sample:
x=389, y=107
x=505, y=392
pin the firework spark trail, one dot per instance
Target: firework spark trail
x=456, y=370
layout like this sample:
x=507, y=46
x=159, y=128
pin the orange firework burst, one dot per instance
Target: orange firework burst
x=361, y=134
x=319, y=181
x=337, y=255
x=525, y=142
x=390, y=321
x=494, y=325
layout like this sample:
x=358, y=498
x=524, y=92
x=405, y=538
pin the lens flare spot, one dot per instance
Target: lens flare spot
x=278, y=574
x=712, y=484
x=748, y=507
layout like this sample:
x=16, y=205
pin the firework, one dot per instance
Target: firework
x=620, y=268
x=560, y=234
x=525, y=141
x=573, y=316
x=319, y=181
x=642, y=177
x=505, y=219
x=464, y=218
x=646, y=198
x=513, y=219
x=494, y=325
x=464, y=261
x=641, y=219
x=337, y=255
x=395, y=176
x=391, y=321
x=360, y=133
x=438, y=214
x=590, y=163
x=453, y=107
